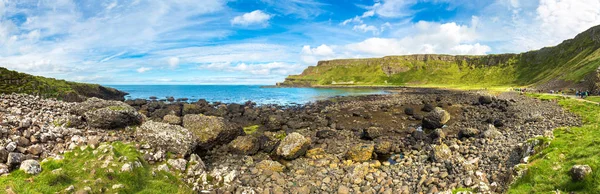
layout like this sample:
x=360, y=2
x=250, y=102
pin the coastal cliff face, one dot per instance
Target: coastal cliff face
x=15, y=82
x=570, y=64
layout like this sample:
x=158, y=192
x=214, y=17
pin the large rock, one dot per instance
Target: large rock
x=491, y=132
x=14, y=159
x=31, y=167
x=440, y=152
x=113, y=117
x=468, y=132
x=172, y=119
x=361, y=152
x=372, y=133
x=93, y=104
x=485, y=100
x=171, y=138
x=579, y=172
x=293, y=146
x=246, y=145
x=436, y=118
x=270, y=165
x=210, y=130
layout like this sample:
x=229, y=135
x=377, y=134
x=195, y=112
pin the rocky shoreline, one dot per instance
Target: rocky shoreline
x=414, y=141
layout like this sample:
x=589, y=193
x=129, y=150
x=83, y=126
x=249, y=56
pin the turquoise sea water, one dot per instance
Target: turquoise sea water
x=240, y=93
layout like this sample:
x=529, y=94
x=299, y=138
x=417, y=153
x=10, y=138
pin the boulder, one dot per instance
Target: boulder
x=293, y=146
x=268, y=144
x=485, y=99
x=93, y=104
x=361, y=152
x=246, y=145
x=468, y=132
x=579, y=172
x=191, y=109
x=31, y=167
x=440, y=153
x=274, y=122
x=177, y=164
x=491, y=132
x=427, y=107
x=172, y=119
x=4, y=169
x=383, y=147
x=210, y=130
x=14, y=159
x=436, y=118
x=437, y=134
x=3, y=155
x=35, y=149
x=270, y=165
x=372, y=132
x=409, y=111
x=113, y=117
x=171, y=138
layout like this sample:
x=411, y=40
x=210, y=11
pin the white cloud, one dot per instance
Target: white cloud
x=173, y=62
x=274, y=68
x=366, y=28
x=392, y=8
x=256, y=17
x=563, y=19
x=143, y=69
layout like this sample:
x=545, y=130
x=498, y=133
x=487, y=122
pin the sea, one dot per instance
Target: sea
x=241, y=93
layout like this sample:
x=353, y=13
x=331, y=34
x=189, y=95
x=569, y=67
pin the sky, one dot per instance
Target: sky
x=263, y=41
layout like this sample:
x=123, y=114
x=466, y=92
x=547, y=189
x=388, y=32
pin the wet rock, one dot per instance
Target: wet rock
x=579, y=172
x=440, y=152
x=113, y=117
x=245, y=145
x=270, y=165
x=172, y=138
x=31, y=167
x=293, y=146
x=210, y=130
x=468, y=132
x=361, y=152
x=436, y=118
x=172, y=119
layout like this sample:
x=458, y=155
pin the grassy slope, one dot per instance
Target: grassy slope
x=548, y=170
x=569, y=61
x=76, y=170
x=15, y=82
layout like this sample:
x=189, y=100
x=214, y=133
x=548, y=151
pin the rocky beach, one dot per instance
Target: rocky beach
x=411, y=141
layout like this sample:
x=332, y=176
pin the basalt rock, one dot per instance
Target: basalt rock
x=211, y=131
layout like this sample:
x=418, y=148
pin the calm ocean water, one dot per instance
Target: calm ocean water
x=240, y=93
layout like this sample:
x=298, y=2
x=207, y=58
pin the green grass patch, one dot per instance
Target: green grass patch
x=548, y=170
x=455, y=191
x=83, y=168
x=249, y=130
x=593, y=98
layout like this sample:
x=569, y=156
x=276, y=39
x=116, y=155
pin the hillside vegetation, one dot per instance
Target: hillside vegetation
x=573, y=63
x=15, y=82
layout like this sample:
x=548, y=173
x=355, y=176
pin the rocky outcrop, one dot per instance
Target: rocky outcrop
x=14, y=82
x=113, y=117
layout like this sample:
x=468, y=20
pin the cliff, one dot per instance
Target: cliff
x=572, y=63
x=15, y=82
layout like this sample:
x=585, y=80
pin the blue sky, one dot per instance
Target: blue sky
x=260, y=42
